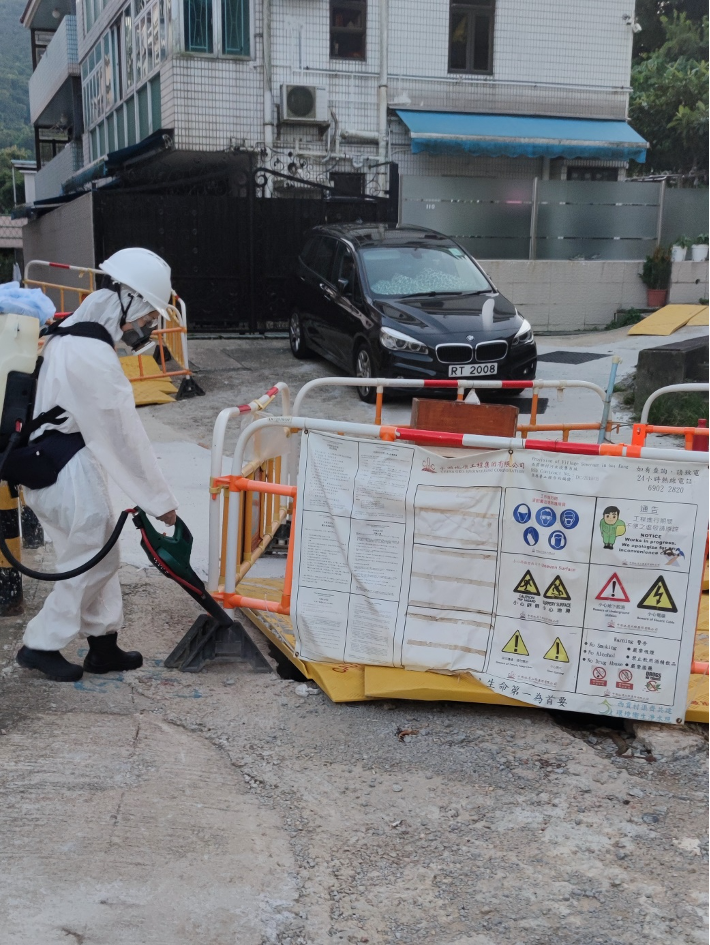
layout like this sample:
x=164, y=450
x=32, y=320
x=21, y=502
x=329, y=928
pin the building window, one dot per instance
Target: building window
x=235, y=27
x=471, y=36
x=128, y=47
x=198, y=26
x=348, y=24
x=592, y=173
x=346, y=184
x=40, y=40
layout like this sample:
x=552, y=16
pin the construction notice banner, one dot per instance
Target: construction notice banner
x=566, y=581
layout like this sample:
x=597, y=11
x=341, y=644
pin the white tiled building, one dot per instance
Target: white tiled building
x=217, y=74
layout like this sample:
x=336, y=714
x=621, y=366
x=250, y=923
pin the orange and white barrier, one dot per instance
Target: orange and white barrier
x=266, y=463
x=461, y=385
x=171, y=334
x=237, y=482
x=696, y=438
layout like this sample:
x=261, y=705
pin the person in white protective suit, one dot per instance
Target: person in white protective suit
x=83, y=375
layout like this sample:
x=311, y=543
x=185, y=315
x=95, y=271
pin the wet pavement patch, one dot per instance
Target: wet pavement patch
x=570, y=357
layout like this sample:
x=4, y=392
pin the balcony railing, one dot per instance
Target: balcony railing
x=48, y=181
x=59, y=62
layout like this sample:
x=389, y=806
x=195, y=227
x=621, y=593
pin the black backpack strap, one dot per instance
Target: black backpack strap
x=80, y=330
x=53, y=416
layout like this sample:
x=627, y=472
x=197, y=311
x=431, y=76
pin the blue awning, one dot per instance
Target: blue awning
x=523, y=136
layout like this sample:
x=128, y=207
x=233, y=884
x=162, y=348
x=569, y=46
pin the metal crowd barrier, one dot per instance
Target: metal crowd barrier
x=267, y=467
x=239, y=482
x=691, y=434
x=603, y=426
x=171, y=335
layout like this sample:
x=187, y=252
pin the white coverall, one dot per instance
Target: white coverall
x=84, y=376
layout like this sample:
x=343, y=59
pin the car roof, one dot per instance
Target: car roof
x=378, y=234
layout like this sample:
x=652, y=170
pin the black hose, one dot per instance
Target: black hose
x=62, y=575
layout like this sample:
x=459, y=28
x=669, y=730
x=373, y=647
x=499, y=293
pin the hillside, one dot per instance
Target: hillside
x=15, y=71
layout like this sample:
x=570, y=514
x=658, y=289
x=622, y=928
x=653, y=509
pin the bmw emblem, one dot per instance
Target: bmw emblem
x=469, y=337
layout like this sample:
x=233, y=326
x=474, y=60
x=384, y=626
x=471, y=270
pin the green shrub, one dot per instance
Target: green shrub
x=656, y=272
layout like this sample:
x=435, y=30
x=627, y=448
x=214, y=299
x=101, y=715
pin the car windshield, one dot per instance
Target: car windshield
x=396, y=271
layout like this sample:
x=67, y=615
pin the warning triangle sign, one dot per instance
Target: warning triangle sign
x=557, y=652
x=614, y=590
x=658, y=598
x=527, y=585
x=557, y=590
x=516, y=645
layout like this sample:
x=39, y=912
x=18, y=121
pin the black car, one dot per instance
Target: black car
x=381, y=300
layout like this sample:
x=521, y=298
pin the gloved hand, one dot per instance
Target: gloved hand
x=169, y=518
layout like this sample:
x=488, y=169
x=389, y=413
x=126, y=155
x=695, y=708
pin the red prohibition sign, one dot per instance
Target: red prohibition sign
x=625, y=675
x=599, y=672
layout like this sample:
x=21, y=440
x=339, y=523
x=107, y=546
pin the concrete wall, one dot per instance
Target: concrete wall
x=689, y=283
x=64, y=235
x=572, y=295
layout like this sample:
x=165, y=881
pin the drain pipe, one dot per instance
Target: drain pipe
x=615, y=362
x=268, y=89
x=382, y=95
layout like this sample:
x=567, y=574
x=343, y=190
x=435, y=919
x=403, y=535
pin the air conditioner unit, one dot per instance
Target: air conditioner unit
x=304, y=103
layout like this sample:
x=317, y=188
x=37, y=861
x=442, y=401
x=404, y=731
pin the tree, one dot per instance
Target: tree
x=6, y=195
x=649, y=13
x=15, y=72
x=669, y=97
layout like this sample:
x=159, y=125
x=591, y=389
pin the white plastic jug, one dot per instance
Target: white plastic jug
x=19, y=337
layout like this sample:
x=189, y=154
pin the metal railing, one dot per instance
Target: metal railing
x=603, y=426
x=268, y=464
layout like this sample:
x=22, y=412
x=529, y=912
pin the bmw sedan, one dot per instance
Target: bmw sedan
x=380, y=300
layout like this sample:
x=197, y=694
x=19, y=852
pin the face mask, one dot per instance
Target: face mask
x=138, y=337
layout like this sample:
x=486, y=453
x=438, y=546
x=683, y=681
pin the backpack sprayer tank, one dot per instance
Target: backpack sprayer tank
x=19, y=337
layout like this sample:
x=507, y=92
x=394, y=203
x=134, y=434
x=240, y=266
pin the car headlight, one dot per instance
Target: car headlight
x=396, y=341
x=524, y=334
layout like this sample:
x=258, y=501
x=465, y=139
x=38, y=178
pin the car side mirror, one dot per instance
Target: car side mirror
x=343, y=284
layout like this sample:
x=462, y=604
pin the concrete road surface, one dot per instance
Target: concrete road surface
x=230, y=808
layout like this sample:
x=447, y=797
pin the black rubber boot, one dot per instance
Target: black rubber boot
x=51, y=663
x=105, y=656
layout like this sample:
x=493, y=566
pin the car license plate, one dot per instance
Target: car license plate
x=472, y=370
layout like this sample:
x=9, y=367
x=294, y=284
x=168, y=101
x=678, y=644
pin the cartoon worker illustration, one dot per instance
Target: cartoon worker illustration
x=611, y=526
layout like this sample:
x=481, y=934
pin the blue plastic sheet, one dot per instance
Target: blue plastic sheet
x=33, y=302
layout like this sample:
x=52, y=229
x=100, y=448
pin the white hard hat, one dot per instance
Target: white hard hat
x=144, y=272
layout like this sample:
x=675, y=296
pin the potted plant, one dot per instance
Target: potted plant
x=699, y=250
x=680, y=248
x=656, y=276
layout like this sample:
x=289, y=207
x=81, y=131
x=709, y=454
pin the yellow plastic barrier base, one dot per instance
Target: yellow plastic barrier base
x=161, y=390
x=349, y=682
x=701, y=318
x=669, y=319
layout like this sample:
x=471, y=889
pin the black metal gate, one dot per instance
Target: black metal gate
x=231, y=254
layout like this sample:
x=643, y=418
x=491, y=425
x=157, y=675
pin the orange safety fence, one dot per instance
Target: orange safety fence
x=244, y=521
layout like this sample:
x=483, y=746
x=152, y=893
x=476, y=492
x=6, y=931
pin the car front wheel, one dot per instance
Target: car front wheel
x=364, y=368
x=296, y=337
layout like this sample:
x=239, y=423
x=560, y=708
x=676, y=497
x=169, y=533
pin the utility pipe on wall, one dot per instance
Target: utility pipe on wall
x=268, y=89
x=382, y=94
